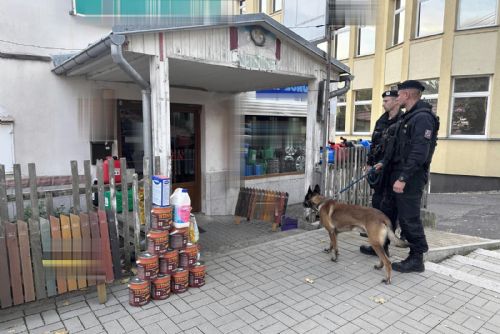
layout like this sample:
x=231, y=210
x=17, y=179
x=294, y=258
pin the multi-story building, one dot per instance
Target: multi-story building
x=452, y=47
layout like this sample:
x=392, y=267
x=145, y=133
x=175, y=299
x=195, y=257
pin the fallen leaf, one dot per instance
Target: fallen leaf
x=309, y=280
x=66, y=303
x=322, y=241
x=124, y=280
x=61, y=331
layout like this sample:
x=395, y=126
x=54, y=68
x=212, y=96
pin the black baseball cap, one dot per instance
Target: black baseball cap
x=393, y=93
x=411, y=84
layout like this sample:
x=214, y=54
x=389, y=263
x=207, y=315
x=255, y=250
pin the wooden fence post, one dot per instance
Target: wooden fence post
x=5, y=298
x=75, y=181
x=137, y=221
x=19, y=192
x=88, y=185
x=125, y=213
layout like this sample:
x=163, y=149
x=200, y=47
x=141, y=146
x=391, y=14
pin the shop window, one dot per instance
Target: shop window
x=431, y=91
x=340, y=117
x=7, y=146
x=366, y=40
x=430, y=17
x=342, y=43
x=274, y=145
x=477, y=13
x=470, y=106
x=399, y=22
x=362, y=111
x=277, y=5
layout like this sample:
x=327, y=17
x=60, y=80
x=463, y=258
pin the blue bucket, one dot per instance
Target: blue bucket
x=259, y=169
x=249, y=170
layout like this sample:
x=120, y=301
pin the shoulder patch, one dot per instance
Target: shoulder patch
x=428, y=134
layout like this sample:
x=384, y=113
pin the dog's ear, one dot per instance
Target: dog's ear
x=309, y=190
x=316, y=189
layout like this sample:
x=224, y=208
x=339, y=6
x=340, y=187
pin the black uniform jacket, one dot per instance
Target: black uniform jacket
x=414, y=140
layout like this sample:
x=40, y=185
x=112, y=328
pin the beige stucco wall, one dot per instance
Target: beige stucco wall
x=474, y=53
x=393, y=63
x=363, y=72
x=425, y=58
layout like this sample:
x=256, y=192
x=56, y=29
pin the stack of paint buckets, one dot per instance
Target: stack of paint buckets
x=170, y=264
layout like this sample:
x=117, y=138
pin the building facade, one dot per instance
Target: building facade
x=63, y=98
x=452, y=47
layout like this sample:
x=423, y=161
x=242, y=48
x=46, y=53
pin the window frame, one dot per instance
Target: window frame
x=486, y=94
x=417, y=21
x=264, y=10
x=10, y=169
x=361, y=103
x=458, y=28
x=402, y=12
x=341, y=104
x=358, y=44
x=434, y=96
x=344, y=30
x=274, y=6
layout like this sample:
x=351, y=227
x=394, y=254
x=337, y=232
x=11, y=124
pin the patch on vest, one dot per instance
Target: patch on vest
x=428, y=134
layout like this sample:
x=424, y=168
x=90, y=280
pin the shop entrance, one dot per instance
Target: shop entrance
x=185, y=144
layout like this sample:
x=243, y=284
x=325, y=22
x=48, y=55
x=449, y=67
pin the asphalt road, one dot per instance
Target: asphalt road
x=476, y=214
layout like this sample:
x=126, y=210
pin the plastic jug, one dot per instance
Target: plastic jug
x=182, y=207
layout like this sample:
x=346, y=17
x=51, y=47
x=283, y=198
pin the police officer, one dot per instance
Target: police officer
x=415, y=139
x=377, y=148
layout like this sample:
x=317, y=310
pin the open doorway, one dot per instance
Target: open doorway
x=185, y=144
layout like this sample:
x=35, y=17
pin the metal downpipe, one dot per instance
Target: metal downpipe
x=119, y=59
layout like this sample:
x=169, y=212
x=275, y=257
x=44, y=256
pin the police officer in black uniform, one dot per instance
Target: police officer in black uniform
x=379, y=180
x=414, y=144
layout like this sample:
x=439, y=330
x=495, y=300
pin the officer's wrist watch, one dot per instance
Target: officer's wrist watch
x=402, y=179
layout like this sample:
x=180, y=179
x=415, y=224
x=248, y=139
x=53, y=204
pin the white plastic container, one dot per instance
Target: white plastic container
x=182, y=207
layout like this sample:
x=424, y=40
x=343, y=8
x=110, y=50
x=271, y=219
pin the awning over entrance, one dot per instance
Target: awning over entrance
x=222, y=56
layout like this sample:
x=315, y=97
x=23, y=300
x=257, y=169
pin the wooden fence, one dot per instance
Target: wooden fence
x=46, y=255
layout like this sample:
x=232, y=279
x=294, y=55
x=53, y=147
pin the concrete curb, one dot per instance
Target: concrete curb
x=441, y=253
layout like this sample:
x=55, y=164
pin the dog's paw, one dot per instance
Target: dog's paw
x=334, y=259
x=327, y=250
x=386, y=281
x=377, y=267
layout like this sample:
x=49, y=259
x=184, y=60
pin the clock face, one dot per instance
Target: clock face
x=258, y=36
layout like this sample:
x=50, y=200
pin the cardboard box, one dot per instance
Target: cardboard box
x=161, y=190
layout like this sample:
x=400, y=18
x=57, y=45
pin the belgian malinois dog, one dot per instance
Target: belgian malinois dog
x=337, y=217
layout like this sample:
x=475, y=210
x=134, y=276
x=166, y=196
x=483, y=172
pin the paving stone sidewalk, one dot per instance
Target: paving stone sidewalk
x=263, y=289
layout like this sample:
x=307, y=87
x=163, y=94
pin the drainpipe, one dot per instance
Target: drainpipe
x=117, y=55
x=341, y=91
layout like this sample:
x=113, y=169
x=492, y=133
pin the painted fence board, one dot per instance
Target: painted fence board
x=105, y=249
x=57, y=254
x=69, y=271
x=49, y=272
x=36, y=258
x=24, y=252
x=86, y=248
x=115, y=244
x=76, y=239
x=14, y=263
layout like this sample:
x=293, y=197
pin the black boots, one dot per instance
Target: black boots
x=368, y=250
x=413, y=263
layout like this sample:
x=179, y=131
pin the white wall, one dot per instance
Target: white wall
x=47, y=23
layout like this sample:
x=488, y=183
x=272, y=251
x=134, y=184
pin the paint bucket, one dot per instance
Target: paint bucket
x=160, y=287
x=188, y=256
x=179, y=280
x=169, y=261
x=147, y=266
x=183, y=232
x=157, y=241
x=162, y=218
x=176, y=240
x=197, y=275
x=138, y=292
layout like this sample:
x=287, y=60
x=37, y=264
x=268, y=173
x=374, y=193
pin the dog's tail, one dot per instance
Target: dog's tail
x=395, y=240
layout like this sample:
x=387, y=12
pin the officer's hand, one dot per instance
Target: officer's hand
x=378, y=166
x=398, y=187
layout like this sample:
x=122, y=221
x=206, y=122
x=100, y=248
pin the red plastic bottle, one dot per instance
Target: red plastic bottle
x=105, y=168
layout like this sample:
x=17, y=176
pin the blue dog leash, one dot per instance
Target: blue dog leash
x=357, y=180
